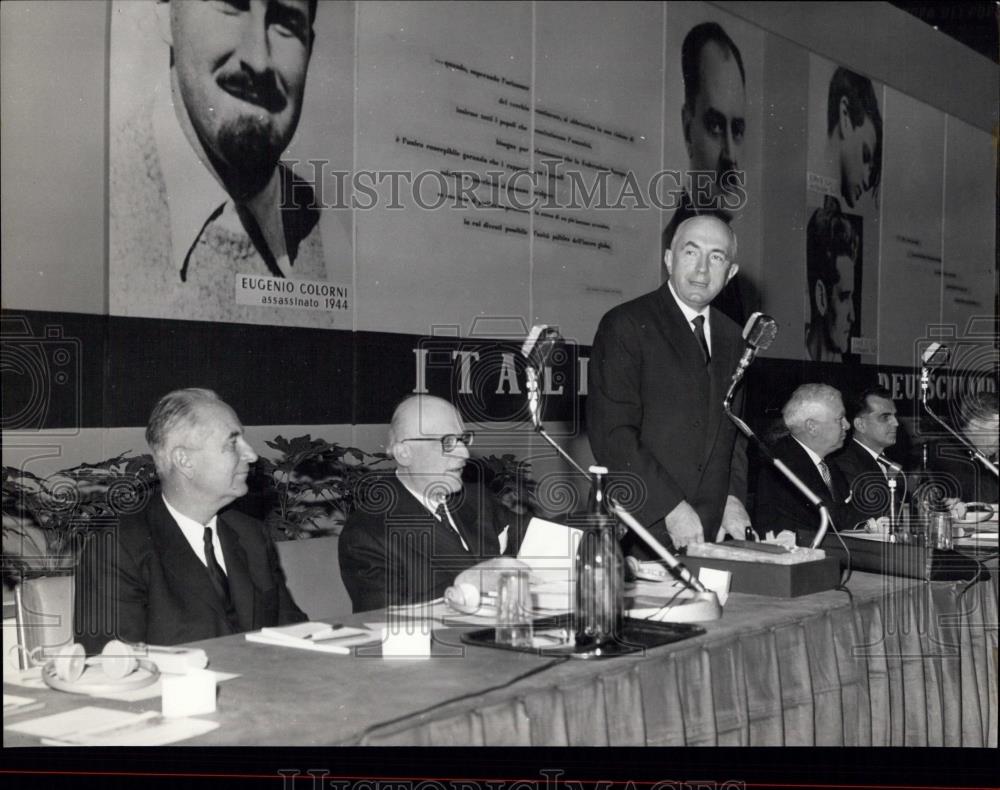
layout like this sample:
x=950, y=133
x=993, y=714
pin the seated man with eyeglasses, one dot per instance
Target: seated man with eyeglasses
x=417, y=529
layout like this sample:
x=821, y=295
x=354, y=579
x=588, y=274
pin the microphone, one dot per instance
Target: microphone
x=935, y=355
x=536, y=349
x=538, y=346
x=759, y=332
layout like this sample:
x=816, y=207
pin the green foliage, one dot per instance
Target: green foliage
x=45, y=519
x=509, y=479
x=307, y=490
x=311, y=488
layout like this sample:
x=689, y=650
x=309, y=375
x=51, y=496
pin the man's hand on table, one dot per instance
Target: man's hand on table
x=485, y=576
x=735, y=520
x=684, y=525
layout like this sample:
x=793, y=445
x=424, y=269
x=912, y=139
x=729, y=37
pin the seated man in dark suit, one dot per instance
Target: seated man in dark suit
x=180, y=570
x=420, y=527
x=862, y=461
x=814, y=416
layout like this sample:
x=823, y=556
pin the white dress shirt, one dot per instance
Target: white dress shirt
x=194, y=533
x=691, y=314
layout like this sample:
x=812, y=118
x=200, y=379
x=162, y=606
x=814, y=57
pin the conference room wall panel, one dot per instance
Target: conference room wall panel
x=912, y=225
x=382, y=72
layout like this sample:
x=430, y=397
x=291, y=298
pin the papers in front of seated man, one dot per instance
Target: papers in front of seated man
x=322, y=637
x=549, y=549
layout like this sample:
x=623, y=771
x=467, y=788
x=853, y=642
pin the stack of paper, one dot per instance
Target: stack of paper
x=322, y=637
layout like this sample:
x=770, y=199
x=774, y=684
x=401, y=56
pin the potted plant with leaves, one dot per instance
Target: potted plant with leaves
x=508, y=478
x=310, y=488
x=45, y=521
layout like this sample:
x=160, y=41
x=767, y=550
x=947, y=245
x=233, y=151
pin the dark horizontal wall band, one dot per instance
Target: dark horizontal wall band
x=115, y=368
x=73, y=370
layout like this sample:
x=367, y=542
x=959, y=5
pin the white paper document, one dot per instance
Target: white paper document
x=94, y=726
x=322, y=637
x=549, y=549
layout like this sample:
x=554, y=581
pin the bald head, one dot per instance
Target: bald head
x=418, y=425
x=701, y=260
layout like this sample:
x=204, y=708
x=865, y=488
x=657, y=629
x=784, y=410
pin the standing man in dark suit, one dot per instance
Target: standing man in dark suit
x=814, y=416
x=659, y=370
x=862, y=460
x=180, y=570
x=420, y=527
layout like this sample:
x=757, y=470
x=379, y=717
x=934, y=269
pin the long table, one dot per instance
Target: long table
x=889, y=662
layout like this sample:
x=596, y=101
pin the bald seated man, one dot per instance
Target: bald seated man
x=420, y=526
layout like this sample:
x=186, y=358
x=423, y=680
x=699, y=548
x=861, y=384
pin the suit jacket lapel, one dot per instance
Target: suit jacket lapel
x=241, y=587
x=804, y=467
x=680, y=335
x=178, y=558
x=720, y=368
x=410, y=512
x=470, y=517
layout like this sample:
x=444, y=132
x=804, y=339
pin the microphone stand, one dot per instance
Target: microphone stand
x=705, y=604
x=824, y=515
x=892, y=508
x=975, y=452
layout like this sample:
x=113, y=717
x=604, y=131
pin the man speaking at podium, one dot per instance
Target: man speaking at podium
x=659, y=371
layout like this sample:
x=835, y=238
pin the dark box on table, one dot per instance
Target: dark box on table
x=776, y=581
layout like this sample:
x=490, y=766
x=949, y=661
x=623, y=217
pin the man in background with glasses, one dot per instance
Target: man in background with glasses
x=421, y=526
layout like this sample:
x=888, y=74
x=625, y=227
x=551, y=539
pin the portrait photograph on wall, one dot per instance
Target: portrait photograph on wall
x=834, y=275
x=712, y=134
x=225, y=127
x=843, y=180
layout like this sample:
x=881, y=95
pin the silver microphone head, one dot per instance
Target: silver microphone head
x=934, y=355
x=760, y=331
x=538, y=346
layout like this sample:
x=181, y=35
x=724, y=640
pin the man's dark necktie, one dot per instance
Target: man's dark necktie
x=824, y=472
x=442, y=513
x=699, y=332
x=218, y=577
x=883, y=466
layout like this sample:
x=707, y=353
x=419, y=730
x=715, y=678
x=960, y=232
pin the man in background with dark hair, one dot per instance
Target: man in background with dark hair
x=872, y=415
x=713, y=119
x=832, y=248
x=180, y=570
x=854, y=135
